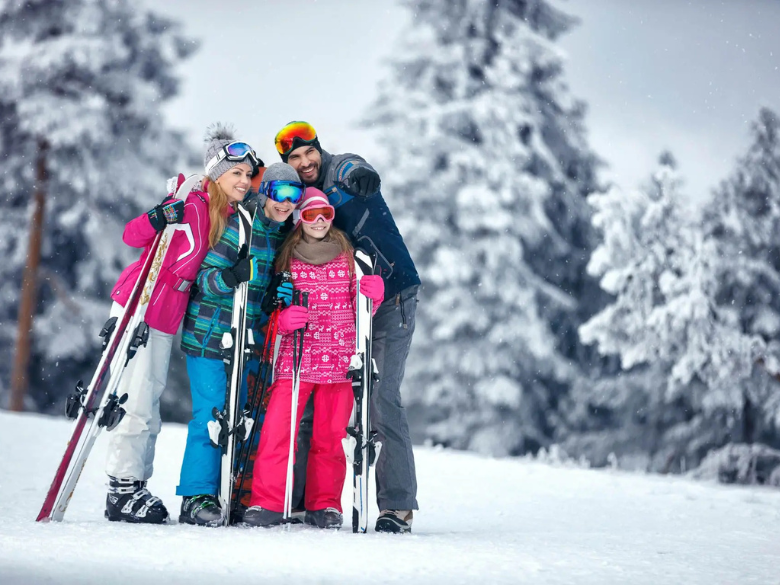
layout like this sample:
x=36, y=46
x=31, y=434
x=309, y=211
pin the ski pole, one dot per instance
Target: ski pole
x=296, y=300
x=258, y=398
x=301, y=299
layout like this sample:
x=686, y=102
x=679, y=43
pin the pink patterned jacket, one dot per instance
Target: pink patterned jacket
x=329, y=338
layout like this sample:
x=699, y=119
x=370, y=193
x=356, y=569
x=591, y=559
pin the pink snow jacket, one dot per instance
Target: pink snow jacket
x=188, y=247
x=329, y=337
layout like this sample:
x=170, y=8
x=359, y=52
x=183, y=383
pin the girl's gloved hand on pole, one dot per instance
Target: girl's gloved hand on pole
x=292, y=318
x=372, y=286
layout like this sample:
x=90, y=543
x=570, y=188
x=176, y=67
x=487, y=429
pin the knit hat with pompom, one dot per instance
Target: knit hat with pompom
x=219, y=135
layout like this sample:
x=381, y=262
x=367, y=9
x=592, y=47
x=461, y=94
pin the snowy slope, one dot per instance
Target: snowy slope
x=483, y=521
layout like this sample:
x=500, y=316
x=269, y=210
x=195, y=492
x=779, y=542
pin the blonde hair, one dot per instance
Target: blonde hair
x=285, y=254
x=218, y=202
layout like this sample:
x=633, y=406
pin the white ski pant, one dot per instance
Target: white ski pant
x=131, y=444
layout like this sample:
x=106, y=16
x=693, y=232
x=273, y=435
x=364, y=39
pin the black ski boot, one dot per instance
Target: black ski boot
x=329, y=518
x=128, y=500
x=201, y=510
x=258, y=517
x=395, y=521
x=298, y=515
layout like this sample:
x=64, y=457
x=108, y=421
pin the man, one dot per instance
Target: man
x=352, y=186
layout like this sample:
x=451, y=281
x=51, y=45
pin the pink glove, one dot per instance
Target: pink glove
x=292, y=318
x=372, y=286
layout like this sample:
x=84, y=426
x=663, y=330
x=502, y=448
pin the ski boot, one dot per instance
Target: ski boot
x=297, y=515
x=395, y=521
x=201, y=510
x=329, y=518
x=258, y=517
x=128, y=500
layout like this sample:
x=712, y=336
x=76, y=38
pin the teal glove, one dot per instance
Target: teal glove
x=284, y=293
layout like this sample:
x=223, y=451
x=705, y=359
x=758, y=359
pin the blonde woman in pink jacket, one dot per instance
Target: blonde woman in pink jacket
x=321, y=261
x=201, y=218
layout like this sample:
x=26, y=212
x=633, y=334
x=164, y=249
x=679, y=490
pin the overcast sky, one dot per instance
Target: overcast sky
x=678, y=74
x=688, y=75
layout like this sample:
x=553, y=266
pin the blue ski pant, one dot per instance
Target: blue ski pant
x=201, y=464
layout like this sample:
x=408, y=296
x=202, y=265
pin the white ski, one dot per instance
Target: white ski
x=236, y=344
x=360, y=446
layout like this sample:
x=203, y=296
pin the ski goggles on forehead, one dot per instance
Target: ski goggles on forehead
x=235, y=151
x=286, y=136
x=312, y=214
x=281, y=191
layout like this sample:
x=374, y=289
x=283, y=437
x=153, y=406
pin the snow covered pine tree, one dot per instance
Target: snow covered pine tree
x=743, y=220
x=89, y=78
x=488, y=167
x=662, y=271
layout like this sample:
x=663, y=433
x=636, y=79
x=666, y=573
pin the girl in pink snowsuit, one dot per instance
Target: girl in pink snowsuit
x=320, y=258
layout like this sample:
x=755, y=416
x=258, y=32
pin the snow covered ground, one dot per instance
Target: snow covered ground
x=482, y=521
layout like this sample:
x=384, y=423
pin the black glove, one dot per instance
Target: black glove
x=244, y=270
x=169, y=211
x=363, y=182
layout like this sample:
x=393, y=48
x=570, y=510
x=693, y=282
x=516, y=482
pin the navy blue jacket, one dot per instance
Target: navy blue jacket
x=368, y=223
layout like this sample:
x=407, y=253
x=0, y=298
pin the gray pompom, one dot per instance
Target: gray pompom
x=219, y=131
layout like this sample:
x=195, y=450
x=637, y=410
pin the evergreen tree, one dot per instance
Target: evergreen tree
x=662, y=271
x=85, y=80
x=487, y=169
x=743, y=217
x=743, y=221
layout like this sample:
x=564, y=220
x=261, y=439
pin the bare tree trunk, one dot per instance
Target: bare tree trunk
x=748, y=419
x=28, y=299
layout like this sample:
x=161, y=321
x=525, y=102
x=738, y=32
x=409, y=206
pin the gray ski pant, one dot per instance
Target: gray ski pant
x=131, y=445
x=396, y=478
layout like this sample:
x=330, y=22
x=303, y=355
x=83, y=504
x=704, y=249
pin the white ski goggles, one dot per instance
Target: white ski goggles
x=235, y=151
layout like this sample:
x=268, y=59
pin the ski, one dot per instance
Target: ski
x=256, y=398
x=122, y=336
x=233, y=423
x=360, y=444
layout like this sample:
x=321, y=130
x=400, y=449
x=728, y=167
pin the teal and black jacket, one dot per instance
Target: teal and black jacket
x=211, y=307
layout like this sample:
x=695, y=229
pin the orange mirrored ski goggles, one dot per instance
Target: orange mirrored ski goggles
x=312, y=214
x=287, y=135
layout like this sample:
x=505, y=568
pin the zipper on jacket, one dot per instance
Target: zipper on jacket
x=210, y=330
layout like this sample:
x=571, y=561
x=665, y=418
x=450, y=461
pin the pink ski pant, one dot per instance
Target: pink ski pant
x=327, y=465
